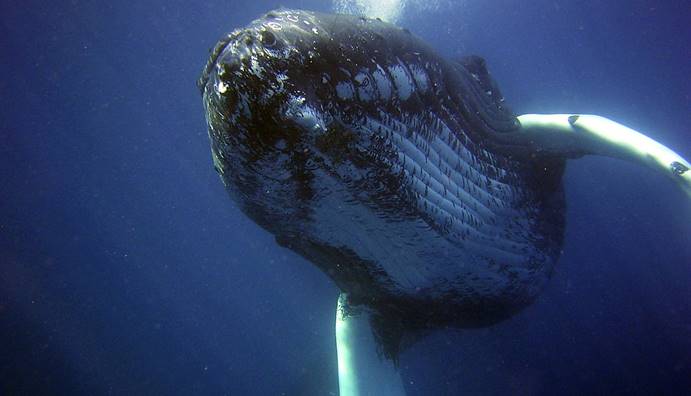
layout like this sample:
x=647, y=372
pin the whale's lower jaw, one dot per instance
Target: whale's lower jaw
x=376, y=162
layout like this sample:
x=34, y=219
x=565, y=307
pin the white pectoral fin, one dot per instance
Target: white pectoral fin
x=362, y=369
x=580, y=134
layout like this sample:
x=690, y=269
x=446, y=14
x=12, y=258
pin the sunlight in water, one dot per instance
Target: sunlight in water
x=387, y=10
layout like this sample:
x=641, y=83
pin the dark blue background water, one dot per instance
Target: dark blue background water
x=124, y=268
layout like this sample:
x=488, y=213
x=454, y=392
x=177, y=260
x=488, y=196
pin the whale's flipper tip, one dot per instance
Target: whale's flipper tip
x=566, y=134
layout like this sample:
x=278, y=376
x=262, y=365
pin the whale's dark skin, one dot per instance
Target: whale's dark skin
x=366, y=152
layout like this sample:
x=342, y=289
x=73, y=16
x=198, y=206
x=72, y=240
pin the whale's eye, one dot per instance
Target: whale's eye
x=268, y=39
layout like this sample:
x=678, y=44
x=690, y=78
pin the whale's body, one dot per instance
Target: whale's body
x=401, y=174
x=363, y=150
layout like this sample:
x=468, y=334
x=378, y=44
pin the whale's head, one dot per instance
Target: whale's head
x=286, y=95
x=364, y=151
x=250, y=77
x=283, y=81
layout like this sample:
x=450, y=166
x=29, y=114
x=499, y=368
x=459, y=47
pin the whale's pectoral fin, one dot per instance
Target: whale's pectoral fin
x=362, y=367
x=574, y=135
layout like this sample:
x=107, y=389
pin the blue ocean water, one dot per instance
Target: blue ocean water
x=126, y=270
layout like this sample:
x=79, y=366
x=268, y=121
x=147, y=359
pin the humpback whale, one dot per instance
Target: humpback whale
x=401, y=174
